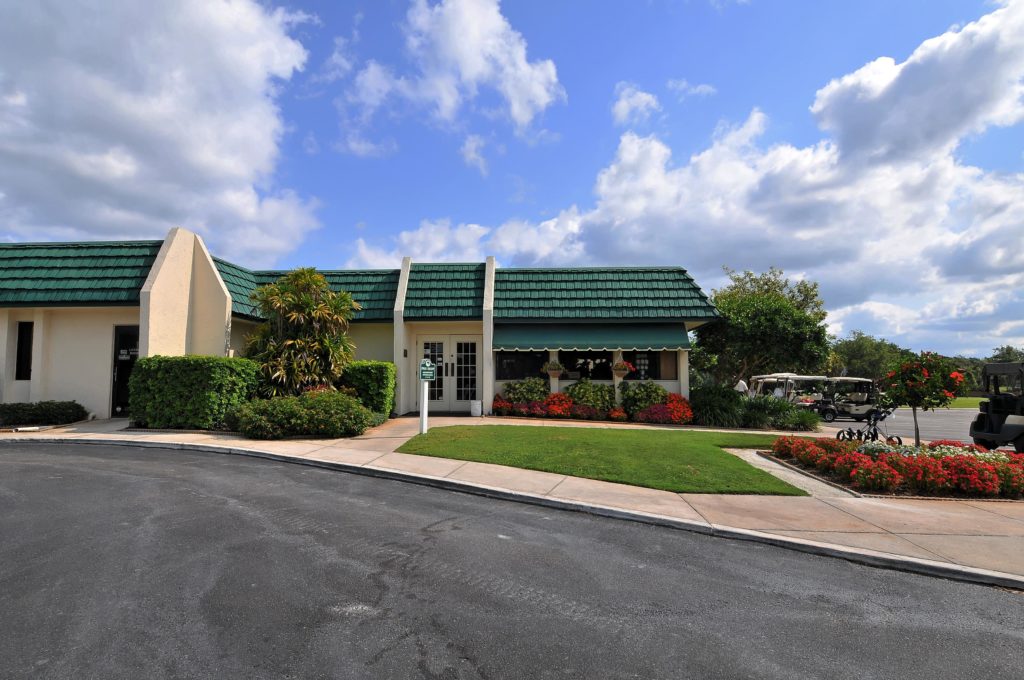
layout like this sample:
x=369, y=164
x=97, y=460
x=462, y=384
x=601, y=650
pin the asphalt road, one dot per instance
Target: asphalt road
x=953, y=423
x=140, y=563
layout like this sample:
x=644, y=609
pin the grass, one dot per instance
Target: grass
x=681, y=461
x=966, y=402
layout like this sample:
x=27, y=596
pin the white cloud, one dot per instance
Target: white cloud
x=107, y=132
x=905, y=239
x=433, y=241
x=472, y=153
x=338, y=64
x=633, y=105
x=684, y=88
x=458, y=47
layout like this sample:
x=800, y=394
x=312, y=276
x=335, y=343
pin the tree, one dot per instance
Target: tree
x=860, y=355
x=768, y=324
x=926, y=382
x=303, y=343
x=1007, y=354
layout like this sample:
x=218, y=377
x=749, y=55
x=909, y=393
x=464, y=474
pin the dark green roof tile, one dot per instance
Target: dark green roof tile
x=85, y=273
x=612, y=293
x=373, y=289
x=448, y=292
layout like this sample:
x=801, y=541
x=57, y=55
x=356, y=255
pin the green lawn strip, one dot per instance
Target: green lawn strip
x=967, y=402
x=672, y=460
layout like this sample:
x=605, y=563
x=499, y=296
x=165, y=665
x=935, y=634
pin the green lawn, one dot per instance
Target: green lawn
x=966, y=402
x=673, y=460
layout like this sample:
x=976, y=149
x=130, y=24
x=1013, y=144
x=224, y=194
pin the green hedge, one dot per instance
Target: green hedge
x=190, y=392
x=314, y=414
x=586, y=393
x=526, y=391
x=42, y=413
x=636, y=396
x=374, y=382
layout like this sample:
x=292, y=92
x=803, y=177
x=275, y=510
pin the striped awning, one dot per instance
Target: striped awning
x=586, y=336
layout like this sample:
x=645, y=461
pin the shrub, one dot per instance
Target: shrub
x=641, y=395
x=845, y=464
x=584, y=412
x=500, y=406
x=675, y=411
x=42, y=413
x=617, y=414
x=799, y=420
x=1011, y=479
x=876, y=476
x=374, y=383
x=558, y=405
x=586, y=393
x=765, y=411
x=528, y=390
x=315, y=414
x=190, y=392
x=716, y=406
x=921, y=474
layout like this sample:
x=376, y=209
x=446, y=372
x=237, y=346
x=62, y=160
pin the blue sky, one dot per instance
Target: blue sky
x=875, y=147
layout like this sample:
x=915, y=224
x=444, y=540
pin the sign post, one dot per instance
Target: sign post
x=428, y=371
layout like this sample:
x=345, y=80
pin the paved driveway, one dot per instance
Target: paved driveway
x=132, y=563
x=953, y=423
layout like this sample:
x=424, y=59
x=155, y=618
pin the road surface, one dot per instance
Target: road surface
x=953, y=423
x=121, y=562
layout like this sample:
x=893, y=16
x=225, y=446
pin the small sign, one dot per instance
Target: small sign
x=428, y=371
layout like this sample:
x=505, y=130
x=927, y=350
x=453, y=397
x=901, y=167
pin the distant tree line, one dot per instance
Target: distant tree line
x=772, y=324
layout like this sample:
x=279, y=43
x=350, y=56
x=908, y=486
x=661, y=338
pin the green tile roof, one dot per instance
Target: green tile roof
x=590, y=336
x=74, y=274
x=612, y=293
x=373, y=289
x=447, y=292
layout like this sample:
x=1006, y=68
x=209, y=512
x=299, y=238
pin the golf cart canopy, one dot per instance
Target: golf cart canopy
x=1009, y=376
x=1003, y=369
x=851, y=380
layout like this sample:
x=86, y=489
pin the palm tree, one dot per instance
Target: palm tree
x=303, y=343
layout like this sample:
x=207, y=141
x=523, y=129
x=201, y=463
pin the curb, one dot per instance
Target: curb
x=856, y=555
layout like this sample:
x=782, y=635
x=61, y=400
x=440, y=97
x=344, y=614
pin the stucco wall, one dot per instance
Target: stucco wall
x=240, y=330
x=77, y=357
x=374, y=341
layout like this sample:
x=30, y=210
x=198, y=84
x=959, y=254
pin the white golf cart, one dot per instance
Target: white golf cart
x=855, y=398
x=802, y=390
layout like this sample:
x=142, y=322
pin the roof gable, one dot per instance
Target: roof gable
x=445, y=292
x=74, y=274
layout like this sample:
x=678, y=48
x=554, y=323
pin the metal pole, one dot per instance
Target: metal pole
x=424, y=394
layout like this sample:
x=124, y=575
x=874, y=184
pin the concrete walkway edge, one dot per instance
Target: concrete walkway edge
x=857, y=555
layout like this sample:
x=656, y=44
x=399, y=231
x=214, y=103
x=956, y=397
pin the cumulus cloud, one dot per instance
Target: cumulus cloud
x=905, y=239
x=633, y=105
x=433, y=241
x=683, y=88
x=184, y=132
x=472, y=153
x=457, y=48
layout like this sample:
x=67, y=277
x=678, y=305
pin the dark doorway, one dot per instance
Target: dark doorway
x=126, y=351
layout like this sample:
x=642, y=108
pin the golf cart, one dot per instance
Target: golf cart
x=855, y=398
x=1000, y=420
x=801, y=390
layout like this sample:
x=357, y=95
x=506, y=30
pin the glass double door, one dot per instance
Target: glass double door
x=457, y=358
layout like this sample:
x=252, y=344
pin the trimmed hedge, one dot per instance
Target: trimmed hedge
x=190, y=392
x=42, y=413
x=314, y=414
x=374, y=382
x=638, y=396
x=526, y=391
x=598, y=397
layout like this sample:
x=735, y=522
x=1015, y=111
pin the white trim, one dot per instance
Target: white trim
x=486, y=347
x=403, y=398
x=592, y=349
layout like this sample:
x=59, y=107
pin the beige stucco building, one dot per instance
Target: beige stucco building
x=75, y=316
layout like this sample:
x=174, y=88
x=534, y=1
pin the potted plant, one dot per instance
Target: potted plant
x=622, y=368
x=553, y=369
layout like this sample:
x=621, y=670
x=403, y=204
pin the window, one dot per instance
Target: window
x=652, y=365
x=23, y=365
x=519, y=365
x=593, y=365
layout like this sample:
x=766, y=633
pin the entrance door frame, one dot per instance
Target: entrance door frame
x=447, y=370
x=118, y=329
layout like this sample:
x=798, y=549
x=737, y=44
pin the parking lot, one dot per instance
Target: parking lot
x=954, y=423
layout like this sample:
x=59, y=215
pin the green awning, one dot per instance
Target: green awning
x=587, y=336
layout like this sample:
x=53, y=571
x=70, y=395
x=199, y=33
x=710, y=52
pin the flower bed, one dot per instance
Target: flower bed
x=674, y=409
x=942, y=468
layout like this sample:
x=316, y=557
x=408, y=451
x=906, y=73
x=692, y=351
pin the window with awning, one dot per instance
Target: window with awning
x=590, y=337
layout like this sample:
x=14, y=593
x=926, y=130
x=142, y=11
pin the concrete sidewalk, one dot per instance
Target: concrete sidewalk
x=981, y=541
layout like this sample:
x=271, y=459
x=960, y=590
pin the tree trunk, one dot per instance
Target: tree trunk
x=917, y=430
